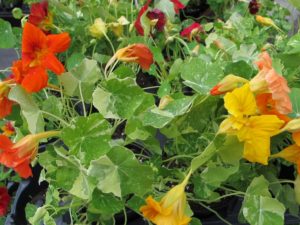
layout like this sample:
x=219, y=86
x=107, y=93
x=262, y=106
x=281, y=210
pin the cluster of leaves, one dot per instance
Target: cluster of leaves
x=118, y=146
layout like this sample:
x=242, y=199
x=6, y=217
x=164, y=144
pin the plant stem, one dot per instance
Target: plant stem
x=56, y=117
x=216, y=213
x=82, y=100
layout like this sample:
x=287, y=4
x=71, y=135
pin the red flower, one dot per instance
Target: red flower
x=19, y=155
x=4, y=201
x=253, y=7
x=38, y=54
x=5, y=103
x=8, y=129
x=40, y=16
x=177, y=5
x=39, y=49
x=158, y=15
x=136, y=53
x=191, y=31
x=138, y=24
x=31, y=79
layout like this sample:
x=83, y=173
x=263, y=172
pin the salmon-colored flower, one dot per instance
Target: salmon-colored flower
x=8, y=129
x=32, y=79
x=4, y=201
x=267, y=106
x=138, y=24
x=191, y=31
x=170, y=210
x=39, y=49
x=227, y=84
x=5, y=103
x=254, y=130
x=269, y=81
x=19, y=155
x=40, y=15
x=137, y=53
x=177, y=5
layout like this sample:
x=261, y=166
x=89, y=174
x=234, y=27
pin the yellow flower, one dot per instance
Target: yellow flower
x=171, y=209
x=117, y=27
x=98, y=29
x=255, y=131
x=240, y=102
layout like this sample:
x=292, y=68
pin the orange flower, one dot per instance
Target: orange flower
x=269, y=81
x=8, y=129
x=31, y=79
x=292, y=153
x=5, y=103
x=137, y=53
x=19, y=155
x=40, y=15
x=267, y=106
x=171, y=209
x=39, y=49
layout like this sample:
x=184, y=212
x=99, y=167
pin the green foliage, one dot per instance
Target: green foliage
x=200, y=75
x=88, y=137
x=259, y=207
x=7, y=38
x=120, y=173
x=29, y=109
x=120, y=98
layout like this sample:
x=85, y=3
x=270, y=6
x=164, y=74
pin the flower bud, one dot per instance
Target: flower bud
x=229, y=83
x=293, y=125
x=98, y=29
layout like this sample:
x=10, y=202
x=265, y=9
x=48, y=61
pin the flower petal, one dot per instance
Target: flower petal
x=35, y=80
x=52, y=63
x=58, y=42
x=33, y=38
x=240, y=101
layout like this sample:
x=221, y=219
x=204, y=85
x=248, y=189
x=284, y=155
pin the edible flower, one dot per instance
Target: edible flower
x=4, y=201
x=254, y=130
x=137, y=53
x=170, y=210
x=39, y=49
x=98, y=29
x=8, y=129
x=228, y=83
x=19, y=155
x=292, y=153
x=40, y=16
x=177, y=5
x=269, y=81
x=5, y=103
x=191, y=31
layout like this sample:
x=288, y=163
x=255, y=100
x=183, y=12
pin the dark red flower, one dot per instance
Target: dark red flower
x=253, y=7
x=158, y=15
x=138, y=24
x=4, y=201
x=177, y=5
x=191, y=31
x=40, y=16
